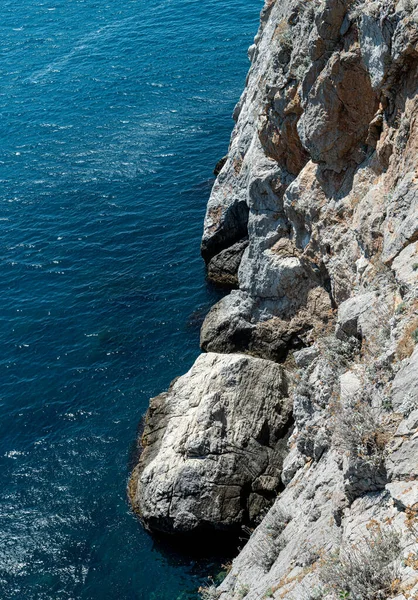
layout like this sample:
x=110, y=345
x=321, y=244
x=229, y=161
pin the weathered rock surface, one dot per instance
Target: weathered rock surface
x=321, y=155
x=223, y=268
x=321, y=176
x=240, y=323
x=213, y=446
x=327, y=135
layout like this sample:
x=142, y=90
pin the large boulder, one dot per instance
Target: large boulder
x=213, y=446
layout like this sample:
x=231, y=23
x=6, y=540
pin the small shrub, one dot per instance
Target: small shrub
x=243, y=591
x=380, y=314
x=408, y=6
x=208, y=592
x=284, y=35
x=307, y=556
x=409, y=403
x=218, y=579
x=412, y=560
x=387, y=404
x=364, y=7
x=269, y=593
x=286, y=40
x=406, y=344
x=367, y=570
x=415, y=267
x=302, y=68
x=317, y=593
x=269, y=540
x=276, y=521
x=227, y=567
x=359, y=431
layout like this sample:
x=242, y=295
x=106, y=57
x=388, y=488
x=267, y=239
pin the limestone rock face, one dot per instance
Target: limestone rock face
x=327, y=137
x=336, y=120
x=322, y=158
x=321, y=180
x=213, y=446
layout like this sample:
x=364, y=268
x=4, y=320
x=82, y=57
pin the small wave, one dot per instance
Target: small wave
x=14, y=454
x=84, y=43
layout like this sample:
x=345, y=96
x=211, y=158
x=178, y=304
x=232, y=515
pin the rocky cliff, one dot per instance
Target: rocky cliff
x=300, y=419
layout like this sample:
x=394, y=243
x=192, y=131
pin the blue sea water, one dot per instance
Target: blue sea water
x=112, y=115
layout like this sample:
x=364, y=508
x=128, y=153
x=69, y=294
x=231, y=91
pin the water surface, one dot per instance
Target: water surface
x=112, y=117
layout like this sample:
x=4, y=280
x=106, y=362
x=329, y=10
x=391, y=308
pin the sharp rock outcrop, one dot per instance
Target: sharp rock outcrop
x=213, y=446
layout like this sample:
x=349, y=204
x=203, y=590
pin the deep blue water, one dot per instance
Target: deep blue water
x=112, y=116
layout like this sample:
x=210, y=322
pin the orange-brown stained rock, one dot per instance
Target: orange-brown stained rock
x=340, y=108
x=280, y=138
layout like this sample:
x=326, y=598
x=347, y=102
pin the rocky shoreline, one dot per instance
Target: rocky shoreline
x=300, y=418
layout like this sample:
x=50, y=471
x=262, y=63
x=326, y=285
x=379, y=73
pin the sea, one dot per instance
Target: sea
x=113, y=114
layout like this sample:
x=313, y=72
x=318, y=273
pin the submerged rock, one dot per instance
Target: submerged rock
x=213, y=446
